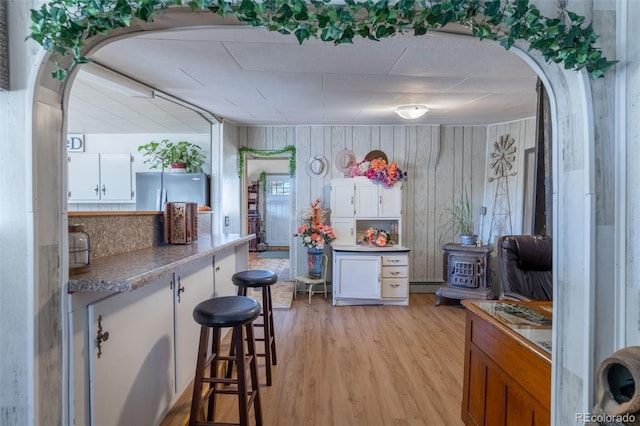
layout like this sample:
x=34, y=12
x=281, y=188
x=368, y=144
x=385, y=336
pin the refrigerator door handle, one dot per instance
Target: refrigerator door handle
x=163, y=199
x=158, y=203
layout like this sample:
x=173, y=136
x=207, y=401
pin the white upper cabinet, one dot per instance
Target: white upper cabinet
x=99, y=177
x=344, y=230
x=361, y=198
x=358, y=203
x=342, y=198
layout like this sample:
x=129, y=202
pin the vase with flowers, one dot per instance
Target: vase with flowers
x=315, y=234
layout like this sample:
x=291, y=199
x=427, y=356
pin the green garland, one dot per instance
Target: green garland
x=263, y=180
x=291, y=150
x=62, y=26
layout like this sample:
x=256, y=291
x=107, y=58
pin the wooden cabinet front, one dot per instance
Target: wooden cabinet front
x=507, y=377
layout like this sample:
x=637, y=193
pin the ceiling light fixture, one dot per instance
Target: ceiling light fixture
x=411, y=112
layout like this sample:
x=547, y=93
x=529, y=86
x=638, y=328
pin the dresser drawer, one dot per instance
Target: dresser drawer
x=392, y=287
x=390, y=260
x=394, y=272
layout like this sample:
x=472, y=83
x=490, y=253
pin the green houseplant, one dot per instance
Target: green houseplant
x=459, y=218
x=180, y=154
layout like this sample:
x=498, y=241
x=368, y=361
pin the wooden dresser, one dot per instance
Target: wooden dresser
x=507, y=366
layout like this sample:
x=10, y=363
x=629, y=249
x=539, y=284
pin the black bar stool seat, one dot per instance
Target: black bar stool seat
x=263, y=279
x=237, y=312
x=254, y=278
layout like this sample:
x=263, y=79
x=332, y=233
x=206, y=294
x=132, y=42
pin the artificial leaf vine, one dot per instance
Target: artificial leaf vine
x=62, y=26
x=290, y=150
x=263, y=179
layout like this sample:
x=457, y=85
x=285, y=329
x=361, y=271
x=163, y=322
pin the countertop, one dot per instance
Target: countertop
x=361, y=248
x=132, y=270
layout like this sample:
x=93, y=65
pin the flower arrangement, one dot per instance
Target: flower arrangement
x=377, y=237
x=313, y=232
x=379, y=171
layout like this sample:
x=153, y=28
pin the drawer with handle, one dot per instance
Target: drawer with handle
x=390, y=260
x=394, y=272
x=395, y=287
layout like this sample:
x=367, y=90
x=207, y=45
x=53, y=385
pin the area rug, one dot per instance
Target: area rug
x=275, y=254
x=281, y=294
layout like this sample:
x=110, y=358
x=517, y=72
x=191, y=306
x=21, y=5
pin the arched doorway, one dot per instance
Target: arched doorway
x=573, y=191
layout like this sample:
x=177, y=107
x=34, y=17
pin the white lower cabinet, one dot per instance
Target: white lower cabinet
x=148, y=357
x=192, y=285
x=370, y=277
x=225, y=266
x=131, y=359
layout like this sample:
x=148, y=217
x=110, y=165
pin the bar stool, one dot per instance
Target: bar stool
x=260, y=278
x=231, y=311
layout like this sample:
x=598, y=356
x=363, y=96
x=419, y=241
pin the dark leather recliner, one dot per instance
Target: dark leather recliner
x=525, y=267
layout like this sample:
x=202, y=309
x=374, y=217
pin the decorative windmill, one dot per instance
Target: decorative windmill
x=502, y=160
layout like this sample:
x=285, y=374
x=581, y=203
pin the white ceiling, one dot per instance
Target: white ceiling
x=251, y=76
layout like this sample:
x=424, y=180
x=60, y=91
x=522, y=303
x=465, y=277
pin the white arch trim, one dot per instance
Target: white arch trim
x=56, y=96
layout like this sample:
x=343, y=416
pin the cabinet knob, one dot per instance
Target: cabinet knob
x=97, y=189
x=104, y=190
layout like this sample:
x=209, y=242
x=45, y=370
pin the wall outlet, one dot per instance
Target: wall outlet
x=483, y=210
x=226, y=221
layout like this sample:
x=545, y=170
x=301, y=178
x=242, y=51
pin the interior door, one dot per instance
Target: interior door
x=276, y=210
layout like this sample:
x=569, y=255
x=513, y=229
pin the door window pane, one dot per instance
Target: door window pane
x=279, y=187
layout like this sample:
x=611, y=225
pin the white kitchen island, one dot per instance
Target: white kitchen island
x=134, y=339
x=370, y=275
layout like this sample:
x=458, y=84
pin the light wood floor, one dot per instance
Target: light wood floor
x=360, y=365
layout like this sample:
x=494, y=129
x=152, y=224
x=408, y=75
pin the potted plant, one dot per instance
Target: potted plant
x=460, y=219
x=179, y=155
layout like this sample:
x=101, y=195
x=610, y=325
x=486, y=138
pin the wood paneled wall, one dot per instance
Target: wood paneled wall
x=523, y=133
x=439, y=160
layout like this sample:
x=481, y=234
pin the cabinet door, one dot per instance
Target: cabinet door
x=83, y=177
x=115, y=177
x=344, y=230
x=342, y=197
x=357, y=276
x=224, y=265
x=367, y=199
x=193, y=285
x=132, y=373
x=390, y=201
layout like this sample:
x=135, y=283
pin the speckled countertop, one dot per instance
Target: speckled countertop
x=132, y=270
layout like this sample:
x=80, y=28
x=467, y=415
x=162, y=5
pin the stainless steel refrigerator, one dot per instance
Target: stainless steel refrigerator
x=153, y=189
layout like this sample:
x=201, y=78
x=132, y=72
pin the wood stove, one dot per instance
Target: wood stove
x=465, y=273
